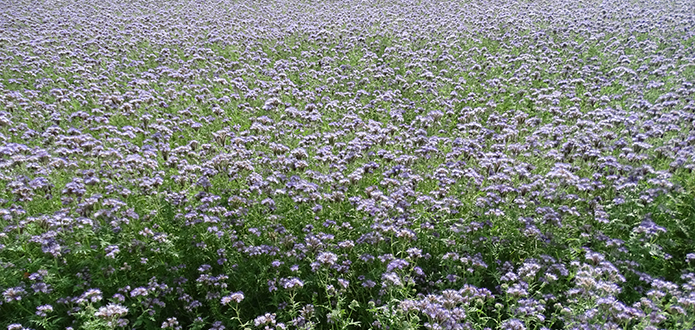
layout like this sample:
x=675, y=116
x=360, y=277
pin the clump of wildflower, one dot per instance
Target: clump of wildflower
x=324, y=258
x=13, y=294
x=267, y=319
x=111, y=310
x=236, y=297
x=292, y=283
x=391, y=279
x=91, y=295
x=43, y=310
x=140, y=291
x=171, y=323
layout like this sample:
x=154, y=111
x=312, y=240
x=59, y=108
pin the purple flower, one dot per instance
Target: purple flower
x=111, y=310
x=236, y=297
x=43, y=309
x=292, y=283
x=171, y=322
x=513, y=324
x=92, y=295
x=255, y=231
x=414, y=253
x=397, y=264
x=111, y=251
x=140, y=291
x=41, y=287
x=13, y=294
x=368, y=284
x=264, y=319
x=391, y=279
x=327, y=258
x=367, y=257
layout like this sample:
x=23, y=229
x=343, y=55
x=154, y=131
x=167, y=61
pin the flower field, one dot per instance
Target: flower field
x=385, y=164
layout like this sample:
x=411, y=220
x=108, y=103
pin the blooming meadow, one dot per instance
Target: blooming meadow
x=390, y=164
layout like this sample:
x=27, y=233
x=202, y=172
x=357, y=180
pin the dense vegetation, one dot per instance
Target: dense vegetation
x=347, y=164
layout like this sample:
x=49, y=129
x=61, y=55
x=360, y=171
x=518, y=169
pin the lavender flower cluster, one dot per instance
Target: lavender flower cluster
x=355, y=164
